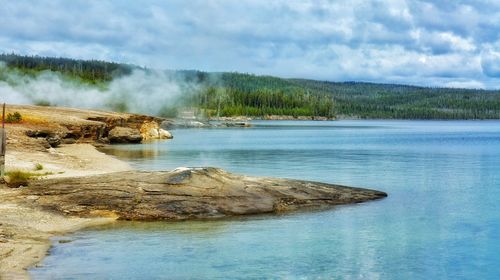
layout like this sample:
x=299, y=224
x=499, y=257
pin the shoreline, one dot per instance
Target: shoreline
x=273, y=118
x=81, y=186
x=336, y=118
x=102, y=189
x=63, y=203
x=25, y=232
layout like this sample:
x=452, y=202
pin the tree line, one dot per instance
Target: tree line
x=90, y=71
x=229, y=101
x=234, y=94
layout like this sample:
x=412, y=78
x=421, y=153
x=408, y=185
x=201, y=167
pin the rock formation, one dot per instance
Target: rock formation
x=66, y=125
x=124, y=135
x=185, y=193
x=151, y=130
x=54, y=140
x=164, y=134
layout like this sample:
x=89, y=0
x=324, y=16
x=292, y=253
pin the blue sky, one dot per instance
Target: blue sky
x=430, y=43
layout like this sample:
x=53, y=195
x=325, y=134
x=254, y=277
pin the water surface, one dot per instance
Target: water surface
x=441, y=219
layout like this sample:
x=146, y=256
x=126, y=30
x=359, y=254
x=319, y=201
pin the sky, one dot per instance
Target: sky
x=430, y=43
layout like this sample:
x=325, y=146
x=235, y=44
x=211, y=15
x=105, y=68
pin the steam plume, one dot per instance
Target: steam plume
x=143, y=91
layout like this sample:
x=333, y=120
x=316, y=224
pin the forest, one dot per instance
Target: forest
x=89, y=71
x=239, y=94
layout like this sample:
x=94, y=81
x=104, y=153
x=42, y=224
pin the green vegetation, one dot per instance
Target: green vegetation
x=88, y=71
x=367, y=100
x=233, y=102
x=38, y=167
x=243, y=94
x=233, y=94
x=16, y=178
x=13, y=118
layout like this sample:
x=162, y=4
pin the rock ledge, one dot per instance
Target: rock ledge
x=185, y=193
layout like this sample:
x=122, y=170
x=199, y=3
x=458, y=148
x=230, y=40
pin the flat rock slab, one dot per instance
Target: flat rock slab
x=185, y=193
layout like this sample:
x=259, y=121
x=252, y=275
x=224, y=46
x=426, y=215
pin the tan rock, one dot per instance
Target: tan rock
x=124, y=135
x=153, y=133
x=185, y=193
x=164, y=134
x=149, y=130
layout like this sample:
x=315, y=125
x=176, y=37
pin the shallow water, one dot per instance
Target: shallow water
x=441, y=219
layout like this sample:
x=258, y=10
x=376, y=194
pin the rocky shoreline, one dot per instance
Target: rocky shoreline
x=68, y=126
x=273, y=118
x=83, y=187
x=184, y=193
x=30, y=215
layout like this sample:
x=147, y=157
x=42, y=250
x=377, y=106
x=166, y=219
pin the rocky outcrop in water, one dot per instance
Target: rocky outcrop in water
x=185, y=193
x=151, y=130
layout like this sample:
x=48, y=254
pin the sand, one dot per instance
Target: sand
x=25, y=232
x=73, y=160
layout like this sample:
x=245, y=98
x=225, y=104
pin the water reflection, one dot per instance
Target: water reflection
x=139, y=152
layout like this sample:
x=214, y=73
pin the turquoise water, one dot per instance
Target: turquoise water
x=441, y=219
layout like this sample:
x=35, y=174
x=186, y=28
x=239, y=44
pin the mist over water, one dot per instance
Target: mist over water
x=143, y=91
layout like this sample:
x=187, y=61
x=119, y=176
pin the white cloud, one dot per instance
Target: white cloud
x=465, y=84
x=419, y=42
x=490, y=63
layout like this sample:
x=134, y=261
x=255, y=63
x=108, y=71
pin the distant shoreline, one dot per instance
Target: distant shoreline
x=274, y=118
x=319, y=118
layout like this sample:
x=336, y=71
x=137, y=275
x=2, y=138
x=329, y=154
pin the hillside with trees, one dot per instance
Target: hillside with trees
x=90, y=71
x=237, y=94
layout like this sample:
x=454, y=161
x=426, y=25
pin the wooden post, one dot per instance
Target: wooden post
x=3, y=145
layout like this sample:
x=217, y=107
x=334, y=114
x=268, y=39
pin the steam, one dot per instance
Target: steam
x=144, y=91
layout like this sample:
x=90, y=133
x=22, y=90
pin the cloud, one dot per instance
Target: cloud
x=465, y=84
x=490, y=63
x=331, y=40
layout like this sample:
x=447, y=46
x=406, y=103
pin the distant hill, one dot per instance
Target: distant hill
x=234, y=94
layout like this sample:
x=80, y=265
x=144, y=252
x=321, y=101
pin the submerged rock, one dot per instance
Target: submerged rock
x=235, y=124
x=186, y=193
x=124, y=135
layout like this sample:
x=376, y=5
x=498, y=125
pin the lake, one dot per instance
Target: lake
x=440, y=220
